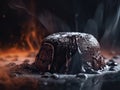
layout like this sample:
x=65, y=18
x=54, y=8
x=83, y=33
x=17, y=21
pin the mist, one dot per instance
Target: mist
x=99, y=18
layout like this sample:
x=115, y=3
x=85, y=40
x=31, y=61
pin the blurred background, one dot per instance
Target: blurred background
x=24, y=23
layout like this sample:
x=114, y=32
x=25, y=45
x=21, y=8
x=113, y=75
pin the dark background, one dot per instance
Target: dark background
x=74, y=13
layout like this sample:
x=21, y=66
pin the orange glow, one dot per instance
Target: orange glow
x=33, y=35
x=26, y=48
x=15, y=55
x=107, y=54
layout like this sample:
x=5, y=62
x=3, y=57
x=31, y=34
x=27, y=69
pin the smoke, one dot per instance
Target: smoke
x=93, y=25
x=35, y=27
x=111, y=30
x=53, y=23
x=91, y=28
x=105, y=25
x=50, y=21
x=20, y=6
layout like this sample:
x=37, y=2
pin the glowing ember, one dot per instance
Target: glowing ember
x=26, y=47
x=26, y=50
x=17, y=56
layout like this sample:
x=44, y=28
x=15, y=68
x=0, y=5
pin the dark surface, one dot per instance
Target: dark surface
x=28, y=77
x=103, y=81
